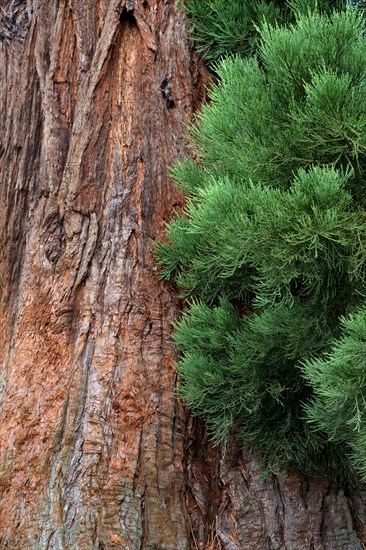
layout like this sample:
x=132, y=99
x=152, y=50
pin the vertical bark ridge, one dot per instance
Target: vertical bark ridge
x=88, y=410
x=233, y=506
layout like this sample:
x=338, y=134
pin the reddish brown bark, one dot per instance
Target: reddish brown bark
x=94, y=96
x=95, y=452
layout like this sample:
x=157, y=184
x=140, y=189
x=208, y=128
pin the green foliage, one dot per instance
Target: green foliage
x=270, y=248
x=228, y=26
x=242, y=373
x=262, y=244
x=339, y=382
x=304, y=104
x=222, y=27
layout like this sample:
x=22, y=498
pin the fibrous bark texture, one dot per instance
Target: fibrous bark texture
x=95, y=451
x=94, y=95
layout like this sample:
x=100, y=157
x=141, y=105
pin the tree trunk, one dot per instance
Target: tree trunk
x=95, y=451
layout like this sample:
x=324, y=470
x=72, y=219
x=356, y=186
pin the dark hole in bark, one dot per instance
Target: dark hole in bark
x=166, y=91
x=127, y=16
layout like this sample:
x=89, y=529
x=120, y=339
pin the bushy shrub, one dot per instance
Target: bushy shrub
x=270, y=249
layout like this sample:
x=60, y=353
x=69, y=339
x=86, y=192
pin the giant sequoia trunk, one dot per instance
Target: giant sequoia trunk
x=96, y=453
